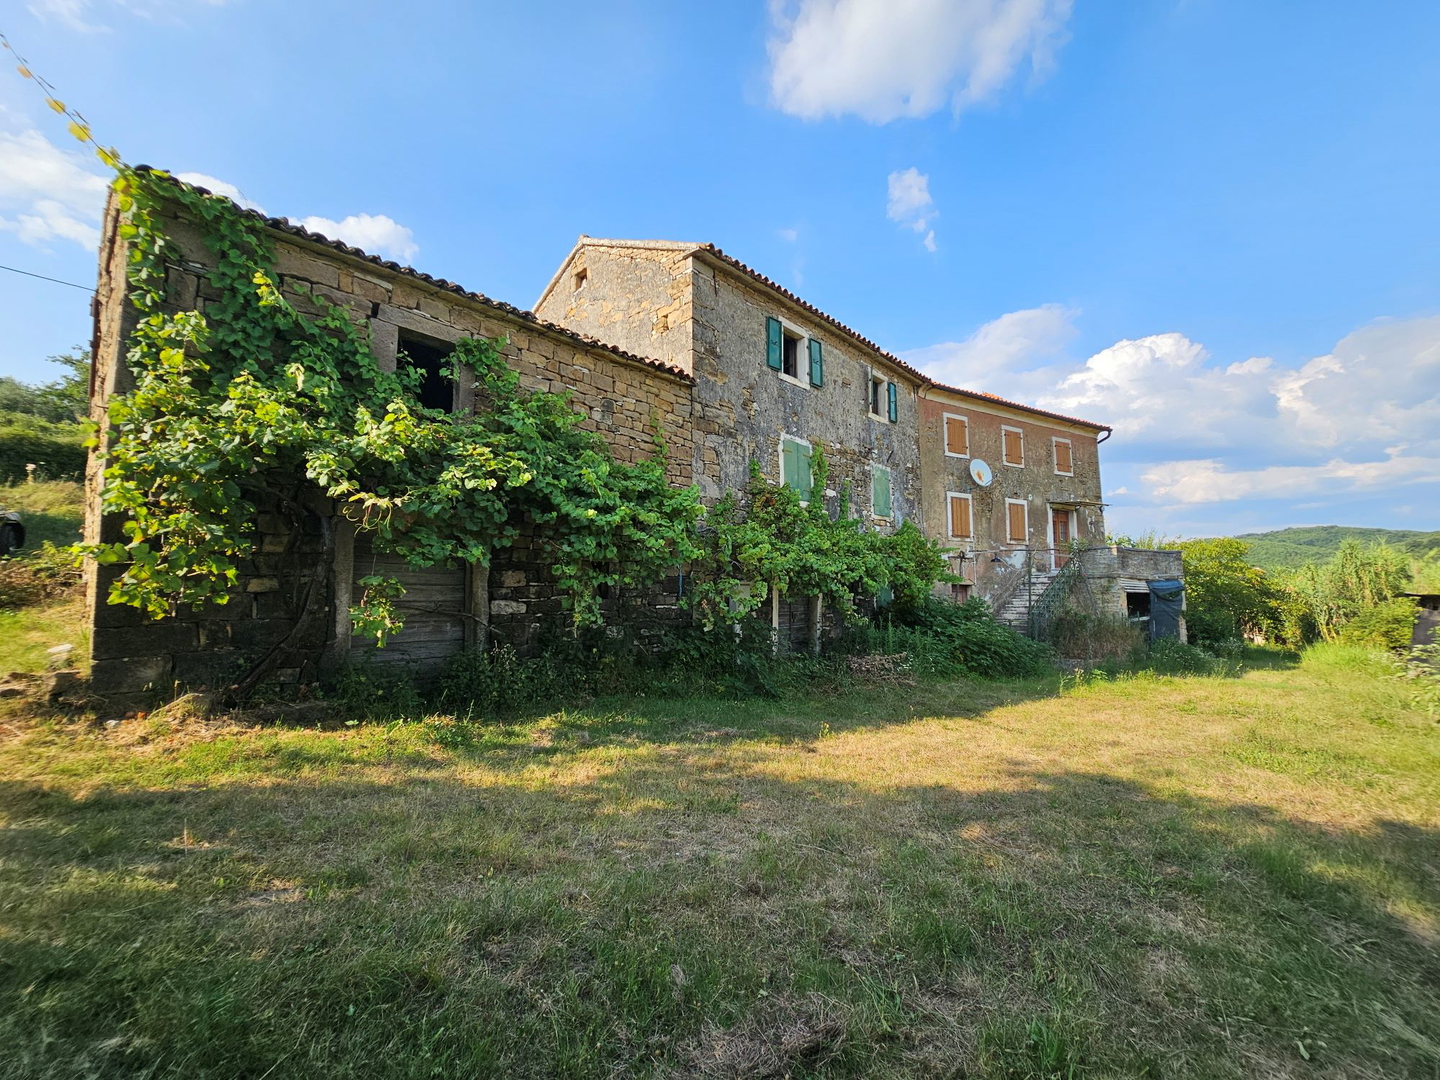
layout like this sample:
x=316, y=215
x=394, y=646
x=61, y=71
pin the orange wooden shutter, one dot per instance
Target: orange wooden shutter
x=1017, y=522
x=960, y=527
x=957, y=435
x=1014, y=449
x=1063, y=460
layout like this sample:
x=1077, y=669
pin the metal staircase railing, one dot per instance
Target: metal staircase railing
x=1047, y=605
x=1011, y=584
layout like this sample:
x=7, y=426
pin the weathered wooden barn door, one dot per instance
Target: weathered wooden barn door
x=436, y=610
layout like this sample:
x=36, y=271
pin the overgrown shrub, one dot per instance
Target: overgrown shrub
x=1085, y=635
x=376, y=692
x=948, y=640
x=1388, y=625
x=1205, y=626
x=571, y=668
x=1424, y=669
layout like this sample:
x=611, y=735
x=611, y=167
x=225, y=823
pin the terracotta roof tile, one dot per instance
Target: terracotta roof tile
x=734, y=263
x=286, y=226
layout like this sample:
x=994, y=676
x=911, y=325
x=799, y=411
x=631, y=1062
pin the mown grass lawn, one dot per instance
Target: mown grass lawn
x=1201, y=877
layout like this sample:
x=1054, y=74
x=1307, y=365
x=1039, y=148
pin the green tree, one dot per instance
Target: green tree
x=1225, y=596
x=62, y=400
x=1425, y=573
x=1356, y=580
x=776, y=543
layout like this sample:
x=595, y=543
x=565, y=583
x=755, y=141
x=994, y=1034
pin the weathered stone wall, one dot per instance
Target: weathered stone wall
x=1108, y=569
x=526, y=604
x=1036, y=482
x=635, y=297
x=743, y=406
x=620, y=397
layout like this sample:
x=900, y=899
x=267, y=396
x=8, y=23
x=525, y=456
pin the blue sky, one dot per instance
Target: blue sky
x=1213, y=224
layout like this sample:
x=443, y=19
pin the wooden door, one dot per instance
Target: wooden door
x=1061, y=532
x=435, y=608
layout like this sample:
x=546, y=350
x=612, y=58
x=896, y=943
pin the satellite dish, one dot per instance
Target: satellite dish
x=980, y=473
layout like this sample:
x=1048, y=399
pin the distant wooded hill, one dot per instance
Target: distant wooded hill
x=1286, y=549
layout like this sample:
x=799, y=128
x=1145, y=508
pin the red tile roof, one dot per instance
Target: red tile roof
x=284, y=225
x=736, y=264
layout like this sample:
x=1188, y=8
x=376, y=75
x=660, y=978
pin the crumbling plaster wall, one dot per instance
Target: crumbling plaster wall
x=134, y=658
x=743, y=406
x=1036, y=482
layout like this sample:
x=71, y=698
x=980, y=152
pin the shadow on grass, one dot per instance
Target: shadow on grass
x=712, y=910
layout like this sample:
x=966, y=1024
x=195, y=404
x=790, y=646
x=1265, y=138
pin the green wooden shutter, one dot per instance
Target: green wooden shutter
x=880, y=492
x=789, y=464
x=773, y=343
x=894, y=403
x=807, y=477
x=817, y=364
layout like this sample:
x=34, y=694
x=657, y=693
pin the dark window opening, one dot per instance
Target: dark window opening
x=790, y=356
x=436, y=389
x=877, y=396
x=1137, y=605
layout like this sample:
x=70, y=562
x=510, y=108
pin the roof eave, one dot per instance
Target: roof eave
x=299, y=234
x=716, y=257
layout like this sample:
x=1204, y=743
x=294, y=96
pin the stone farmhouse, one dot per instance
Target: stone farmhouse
x=735, y=368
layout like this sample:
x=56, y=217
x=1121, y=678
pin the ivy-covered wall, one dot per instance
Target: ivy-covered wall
x=623, y=398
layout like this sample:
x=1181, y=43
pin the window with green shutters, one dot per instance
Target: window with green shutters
x=880, y=491
x=795, y=466
x=786, y=349
x=894, y=403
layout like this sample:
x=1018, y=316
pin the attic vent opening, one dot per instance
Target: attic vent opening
x=580, y=276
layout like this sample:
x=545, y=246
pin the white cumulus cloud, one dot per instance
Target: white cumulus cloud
x=1212, y=481
x=1191, y=430
x=1386, y=375
x=910, y=205
x=992, y=357
x=886, y=59
x=375, y=233
x=47, y=193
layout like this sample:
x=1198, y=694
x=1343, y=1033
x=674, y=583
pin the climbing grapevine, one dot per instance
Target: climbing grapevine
x=252, y=400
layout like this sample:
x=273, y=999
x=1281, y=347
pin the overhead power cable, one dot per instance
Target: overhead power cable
x=42, y=277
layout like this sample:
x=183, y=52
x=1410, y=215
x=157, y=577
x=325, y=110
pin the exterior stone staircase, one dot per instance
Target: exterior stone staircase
x=1015, y=612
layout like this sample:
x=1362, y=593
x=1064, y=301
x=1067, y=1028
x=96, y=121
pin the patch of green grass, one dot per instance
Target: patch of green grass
x=26, y=634
x=1140, y=876
x=52, y=510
